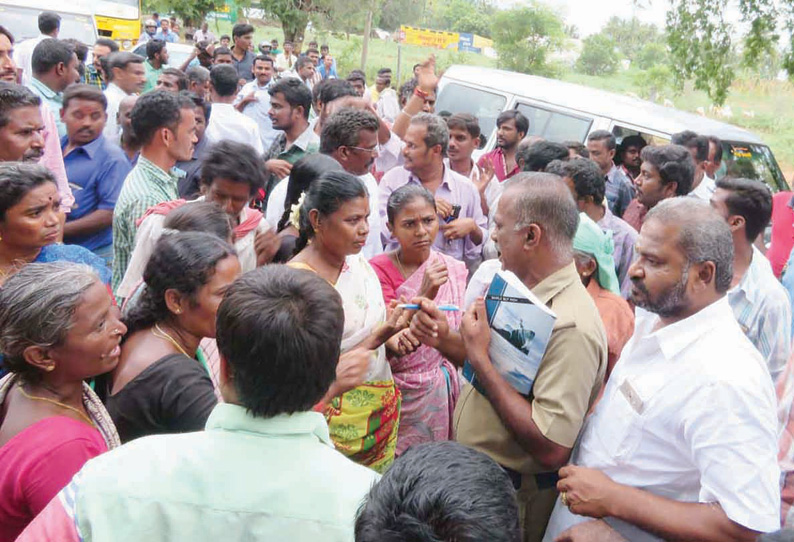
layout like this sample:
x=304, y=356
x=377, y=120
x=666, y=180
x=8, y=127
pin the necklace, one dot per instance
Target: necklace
x=56, y=403
x=399, y=263
x=160, y=334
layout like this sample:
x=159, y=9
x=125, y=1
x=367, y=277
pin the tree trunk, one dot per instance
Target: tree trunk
x=365, y=44
x=294, y=32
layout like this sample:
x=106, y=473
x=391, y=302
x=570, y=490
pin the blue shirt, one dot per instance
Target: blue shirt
x=171, y=37
x=96, y=172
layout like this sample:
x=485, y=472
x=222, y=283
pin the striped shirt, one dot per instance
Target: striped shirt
x=763, y=310
x=145, y=186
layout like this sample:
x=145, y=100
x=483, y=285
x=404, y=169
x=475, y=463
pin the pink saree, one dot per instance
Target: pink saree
x=428, y=382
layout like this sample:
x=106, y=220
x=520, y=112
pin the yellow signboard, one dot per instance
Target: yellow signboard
x=429, y=38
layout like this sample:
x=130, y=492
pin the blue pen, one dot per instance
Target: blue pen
x=414, y=306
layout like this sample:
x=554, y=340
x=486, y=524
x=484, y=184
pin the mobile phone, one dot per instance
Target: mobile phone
x=454, y=215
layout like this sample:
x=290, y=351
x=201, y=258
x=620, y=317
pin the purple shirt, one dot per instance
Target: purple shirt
x=456, y=189
x=624, y=237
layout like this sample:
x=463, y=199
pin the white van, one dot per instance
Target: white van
x=21, y=18
x=559, y=111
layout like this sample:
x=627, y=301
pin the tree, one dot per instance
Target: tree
x=294, y=15
x=630, y=35
x=524, y=37
x=472, y=16
x=652, y=54
x=393, y=13
x=703, y=45
x=187, y=10
x=599, y=56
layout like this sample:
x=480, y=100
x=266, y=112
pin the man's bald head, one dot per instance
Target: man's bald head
x=540, y=198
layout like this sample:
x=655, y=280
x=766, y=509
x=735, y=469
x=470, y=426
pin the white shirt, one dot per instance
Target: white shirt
x=689, y=413
x=284, y=62
x=373, y=246
x=200, y=35
x=258, y=111
x=114, y=96
x=388, y=106
x=390, y=154
x=704, y=190
x=23, y=56
x=226, y=123
x=762, y=308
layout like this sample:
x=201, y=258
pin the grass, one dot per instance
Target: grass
x=770, y=102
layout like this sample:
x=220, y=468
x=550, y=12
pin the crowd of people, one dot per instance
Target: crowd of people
x=236, y=298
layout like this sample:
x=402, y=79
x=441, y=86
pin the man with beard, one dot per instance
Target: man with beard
x=290, y=103
x=667, y=171
x=21, y=127
x=683, y=443
x=95, y=167
x=629, y=151
x=511, y=127
x=457, y=200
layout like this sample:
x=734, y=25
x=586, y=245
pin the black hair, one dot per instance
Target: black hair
x=4, y=31
x=357, y=75
x=606, y=136
x=674, y=164
x=384, y=71
x=295, y=93
x=225, y=37
x=691, y=140
x=303, y=61
x=632, y=141
x=241, y=29
x=586, y=176
x=155, y=110
x=279, y=330
x=154, y=47
x=200, y=216
x=577, y=147
x=717, y=148
x=316, y=90
x=17, y=179
x=303, y=173
x=49, y=22
x=312, y=50
x=405, y=195
x=80, y=50
x=750, y=199
x=48, y=54
x=342, y=129
x=13, y=97
x=263, y=58
x=221, y=51
x=183, y=261
x=333, y=89
x=522, y=123
x=465, y=121
x=327, y=194
x=223, y=78
x=84, y=92
x=109, y=43
x=440, y=491
x=407, y=89
x=198, y=102
x=121, y=60
x=540, y=154
x=234, y=161
x=181, y=78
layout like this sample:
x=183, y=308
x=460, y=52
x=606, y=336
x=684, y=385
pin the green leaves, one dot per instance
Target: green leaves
x=599, y=56
x=524, y=37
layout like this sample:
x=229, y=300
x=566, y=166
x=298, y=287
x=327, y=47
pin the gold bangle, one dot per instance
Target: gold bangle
x=402, y=112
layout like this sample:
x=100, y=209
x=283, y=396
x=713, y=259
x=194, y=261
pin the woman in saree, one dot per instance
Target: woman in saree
x=58, y=327
x=362, y=406
x=427, y=381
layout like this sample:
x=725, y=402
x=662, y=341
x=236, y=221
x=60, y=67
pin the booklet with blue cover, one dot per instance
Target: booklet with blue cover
x=520, y=329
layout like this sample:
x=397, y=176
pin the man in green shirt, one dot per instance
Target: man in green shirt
x=264, y=468
x=165, y=125
x=156, y=59
x=54, y=68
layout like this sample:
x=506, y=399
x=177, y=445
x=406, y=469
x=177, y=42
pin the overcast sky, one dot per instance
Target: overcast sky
x=589, y=16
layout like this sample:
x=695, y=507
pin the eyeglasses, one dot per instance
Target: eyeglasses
x=370, y=150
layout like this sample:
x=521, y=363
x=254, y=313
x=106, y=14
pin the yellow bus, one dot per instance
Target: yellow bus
x=119, y=20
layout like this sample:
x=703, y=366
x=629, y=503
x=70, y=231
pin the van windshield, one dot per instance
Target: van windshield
x=751, y=161
x=23, y=24
x=485, y=106
x=553, y=125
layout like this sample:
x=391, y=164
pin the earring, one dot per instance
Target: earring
x=50, y=368
x=179, y=311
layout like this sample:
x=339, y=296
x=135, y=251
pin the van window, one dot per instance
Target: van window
x=23, y=23
x=486, y=106
x=554, y=126
x=751, y=162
